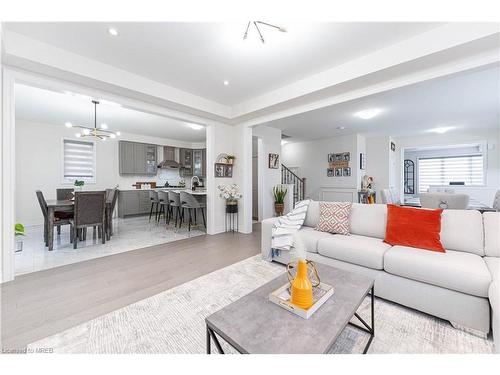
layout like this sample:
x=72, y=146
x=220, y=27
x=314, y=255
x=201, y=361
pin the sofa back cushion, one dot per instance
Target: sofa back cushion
x=369, y=220
x=462, y=230
x=492, y=234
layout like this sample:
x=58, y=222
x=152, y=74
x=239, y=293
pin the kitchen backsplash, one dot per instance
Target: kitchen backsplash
x=167, y=175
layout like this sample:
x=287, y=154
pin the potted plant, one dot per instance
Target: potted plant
x=19, y=231
x=79, y=184
x=279, y=193
x=230, y=194
x=230, y=159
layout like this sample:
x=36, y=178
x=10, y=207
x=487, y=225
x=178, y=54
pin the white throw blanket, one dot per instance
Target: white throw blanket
x=284, y=230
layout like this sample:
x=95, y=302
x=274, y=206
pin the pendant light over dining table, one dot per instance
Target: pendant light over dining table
x=100, y=133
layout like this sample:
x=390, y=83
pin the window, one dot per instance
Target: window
x=467, y=169
x=78, y=160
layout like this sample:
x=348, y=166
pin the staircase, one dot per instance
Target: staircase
x=299, y=184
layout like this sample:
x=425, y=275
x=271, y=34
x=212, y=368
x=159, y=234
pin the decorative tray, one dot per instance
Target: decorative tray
x=321, y=294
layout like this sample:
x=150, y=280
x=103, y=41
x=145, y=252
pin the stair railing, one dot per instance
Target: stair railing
x=299, y=184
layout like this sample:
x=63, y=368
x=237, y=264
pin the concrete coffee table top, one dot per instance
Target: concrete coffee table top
x=253, y=324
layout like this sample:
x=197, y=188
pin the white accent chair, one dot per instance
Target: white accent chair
x=444, y=200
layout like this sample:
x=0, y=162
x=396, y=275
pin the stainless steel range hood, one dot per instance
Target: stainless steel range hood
x=169, y=158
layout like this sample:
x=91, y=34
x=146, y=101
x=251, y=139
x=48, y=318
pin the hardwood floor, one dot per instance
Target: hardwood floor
x=43, y=303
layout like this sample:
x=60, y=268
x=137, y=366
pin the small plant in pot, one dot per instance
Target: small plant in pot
x=230, y=159
x=279, y=193
x=79, y=184
x=19, y=231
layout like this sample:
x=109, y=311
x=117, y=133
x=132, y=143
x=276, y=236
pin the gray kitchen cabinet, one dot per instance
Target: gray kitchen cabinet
x=186, y=161
x=137, y=158
x=126, y=153
x=198, y=169
x=133, y=202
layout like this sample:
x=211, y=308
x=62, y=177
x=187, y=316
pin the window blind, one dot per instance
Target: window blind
x=442, y=170
x=79, y=160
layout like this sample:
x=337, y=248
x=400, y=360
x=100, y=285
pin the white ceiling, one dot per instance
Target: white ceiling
x=198, y=57
x=44, y=106
x=467, y=101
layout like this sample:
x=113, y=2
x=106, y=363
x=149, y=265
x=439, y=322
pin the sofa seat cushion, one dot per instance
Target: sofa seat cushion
x=361, y=250
x=309, y=238
x=455, y=270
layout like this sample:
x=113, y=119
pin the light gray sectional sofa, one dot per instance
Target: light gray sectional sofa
x=460, y=285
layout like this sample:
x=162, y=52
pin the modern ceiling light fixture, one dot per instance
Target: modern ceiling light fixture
x=256, y=24
x=368, y=113
x=113, y=31
x=226, y=83
x=95, y=132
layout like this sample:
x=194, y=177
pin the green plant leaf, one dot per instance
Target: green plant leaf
x=19, y=230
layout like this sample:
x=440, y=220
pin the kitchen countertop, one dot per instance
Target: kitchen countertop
x=176, y=189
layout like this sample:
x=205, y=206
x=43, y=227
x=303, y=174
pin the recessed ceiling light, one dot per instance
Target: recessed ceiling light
x=368, y=113
x=195, y=126
x=104, y=126
x=68, y=124
x=226, y=83
x=341, y=127
x=442, y=130
x=118, y=133
x=113, y=31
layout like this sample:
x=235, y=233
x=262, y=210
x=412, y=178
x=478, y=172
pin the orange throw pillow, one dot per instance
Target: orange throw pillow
x=414, y=227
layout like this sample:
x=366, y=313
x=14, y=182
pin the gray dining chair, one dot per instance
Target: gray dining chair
x=496, y=201
x=189, y=202
x=164, y=202
x=111, y=199
x=155, y=204
x=175, y=205
x=90, y=211
x=444, y=200
x=60, y=218
x=64, y=194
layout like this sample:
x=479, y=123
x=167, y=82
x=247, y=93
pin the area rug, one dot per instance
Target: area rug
x=173, y=321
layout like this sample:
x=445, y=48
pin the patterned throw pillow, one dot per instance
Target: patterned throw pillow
x=334, y=217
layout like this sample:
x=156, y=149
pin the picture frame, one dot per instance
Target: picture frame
x=346, y=156
x=330, y=172
x=274, y=161
x=331, y=158
x=362, y=161
x=222, y=170
x=338, y=172
x=393, y=146
x=339, y=157
x=346, y=172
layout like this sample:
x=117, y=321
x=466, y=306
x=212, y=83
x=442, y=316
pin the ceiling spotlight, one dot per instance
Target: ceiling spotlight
x=196, y=126
x=118, y=134
x=226, y=83
x=68, y=124
x=256, y=24
x=442, y=130
x=340, y=127
x=368, y=113
x=113, y=31
x=104, y=126
x=78, y=135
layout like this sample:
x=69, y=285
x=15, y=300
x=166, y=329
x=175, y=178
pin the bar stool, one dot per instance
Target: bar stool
x=189, y=202
x=175, y=204
x=164, y=203
x=153, y=197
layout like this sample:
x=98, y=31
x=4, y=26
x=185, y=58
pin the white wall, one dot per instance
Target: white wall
x=39, y=165
x=492, y=138
x=311, y=159
x=269, y=143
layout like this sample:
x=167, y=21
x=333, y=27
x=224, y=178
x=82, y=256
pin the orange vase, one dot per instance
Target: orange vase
x=302, y=294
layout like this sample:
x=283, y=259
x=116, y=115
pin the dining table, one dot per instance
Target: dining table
x=54, y=205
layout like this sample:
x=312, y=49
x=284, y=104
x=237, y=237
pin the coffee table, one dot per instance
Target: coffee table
x=253, y=324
